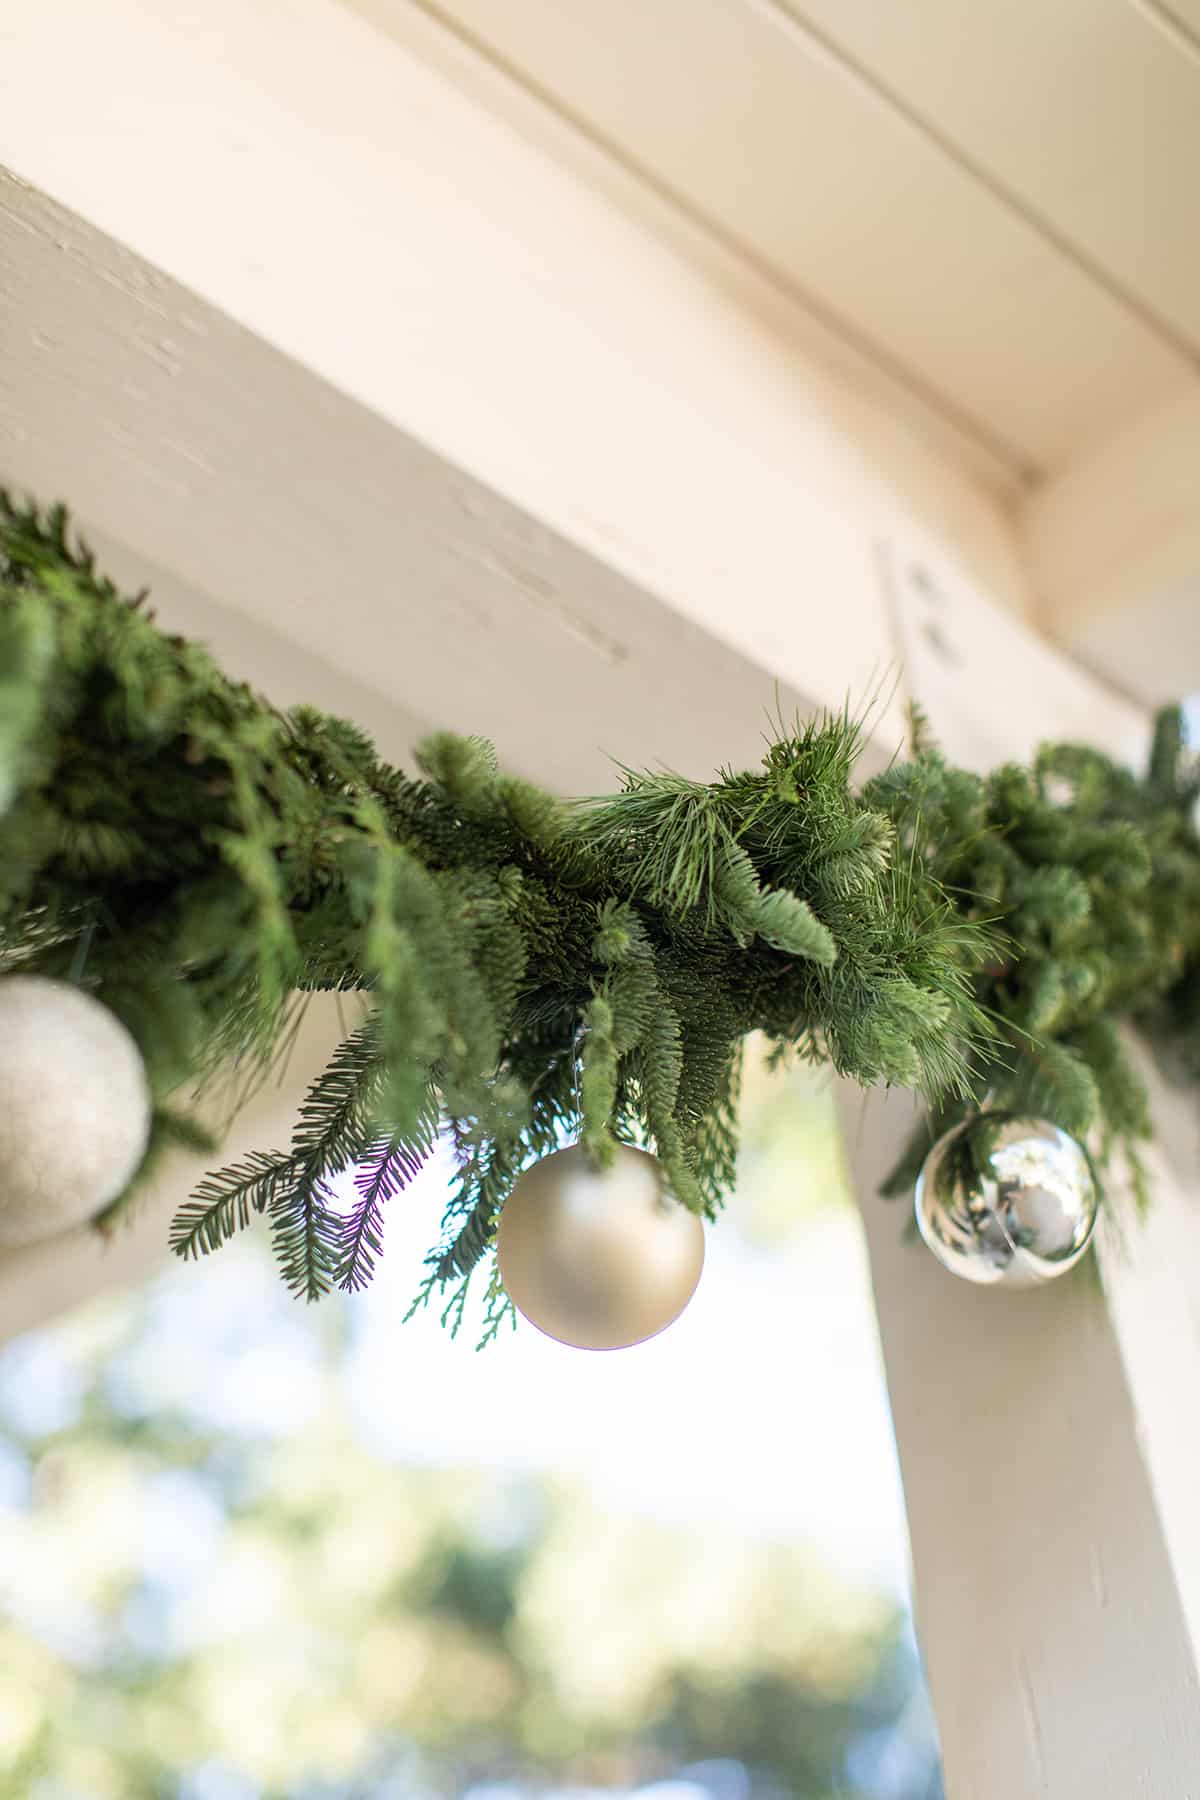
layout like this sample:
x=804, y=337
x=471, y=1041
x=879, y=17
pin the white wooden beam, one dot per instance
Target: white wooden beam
x=249, y=483
x=1050, y=1600
x=1051, y=1475
x=302, y=204
x=1114, y=552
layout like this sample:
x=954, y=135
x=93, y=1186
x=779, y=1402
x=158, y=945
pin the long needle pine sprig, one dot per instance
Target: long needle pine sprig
x=537, y=971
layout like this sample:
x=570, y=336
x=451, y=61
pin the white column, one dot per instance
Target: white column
x=1048, y=1599
x=1049, y=1441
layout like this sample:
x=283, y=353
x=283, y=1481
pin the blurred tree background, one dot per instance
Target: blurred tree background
x=214, y=1585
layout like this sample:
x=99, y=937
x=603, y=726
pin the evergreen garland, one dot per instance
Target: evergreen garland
x=538, y=970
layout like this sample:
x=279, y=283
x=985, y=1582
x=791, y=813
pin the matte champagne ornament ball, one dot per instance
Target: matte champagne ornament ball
x=74, y=1108
x=600, y=1258
x=1006, y=1201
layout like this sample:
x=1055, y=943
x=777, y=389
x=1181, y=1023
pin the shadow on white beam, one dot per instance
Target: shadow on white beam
x=1114, y=551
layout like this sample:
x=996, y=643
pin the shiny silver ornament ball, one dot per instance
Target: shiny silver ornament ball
x=1006, y=1201
x=600, y=1258
x=74, y=1108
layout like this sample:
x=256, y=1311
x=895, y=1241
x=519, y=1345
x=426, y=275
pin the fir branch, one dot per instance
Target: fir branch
x=335, y=1129
x=939, y=929
x=487, y=1174
x=1051, y=1081
x=498, y=1311
x=789, y=924
x=379, y=1177
x=27, y=649
x=305, y=1233
x=224, y=1203
x=337, y=1113
x=598, y=1078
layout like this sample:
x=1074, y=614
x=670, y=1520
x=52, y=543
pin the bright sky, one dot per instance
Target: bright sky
x=763, y=1406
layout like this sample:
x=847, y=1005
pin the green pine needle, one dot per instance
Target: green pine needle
x=540, y=971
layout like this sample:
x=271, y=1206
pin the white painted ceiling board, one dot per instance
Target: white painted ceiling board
x=735, y=110
x=822, y=348
x=459, y=298
x=1084, y=111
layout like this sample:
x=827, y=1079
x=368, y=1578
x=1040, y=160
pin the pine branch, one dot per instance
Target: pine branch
x=306, y=1234
x=498, y=1311
x=27, y=649
x=335, y=1129
x=940, y=929
x=338, y=1109
x=598, y=1077
x=487, y=1174
x=789, y=924
x=1051, y=1081
x=380, y=1176
x=224, y=1203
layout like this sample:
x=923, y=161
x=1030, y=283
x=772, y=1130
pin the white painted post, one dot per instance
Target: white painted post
x=1048, y=1603
x=1048, y=1441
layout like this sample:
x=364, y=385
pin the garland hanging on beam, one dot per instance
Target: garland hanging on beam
x=539, y=972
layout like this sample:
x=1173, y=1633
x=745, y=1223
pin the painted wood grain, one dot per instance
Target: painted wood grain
x=753, y=123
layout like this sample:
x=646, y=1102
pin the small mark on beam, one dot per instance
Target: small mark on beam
x=1099, y=1576
x=1033, y=1723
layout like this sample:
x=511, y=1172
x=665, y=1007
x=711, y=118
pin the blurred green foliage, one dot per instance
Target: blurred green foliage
x=215, y=1585
x=190, y=1612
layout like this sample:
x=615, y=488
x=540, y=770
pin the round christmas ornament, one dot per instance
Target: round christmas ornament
x=74, y=1108
x=1004, y=1200
x=600, y=1258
